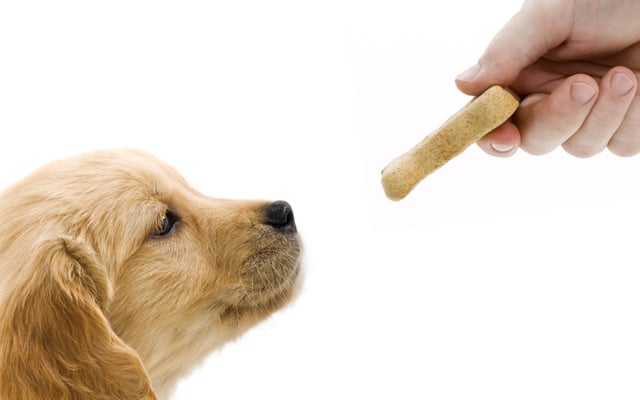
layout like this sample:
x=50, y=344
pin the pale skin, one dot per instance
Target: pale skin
x=576, y=66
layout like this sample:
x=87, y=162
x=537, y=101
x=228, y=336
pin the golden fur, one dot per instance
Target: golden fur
x=94, y=307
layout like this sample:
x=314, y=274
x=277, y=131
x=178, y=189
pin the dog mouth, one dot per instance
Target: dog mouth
x=271, y=273
x=270, y=276
x=272, y=270
x=267, y=284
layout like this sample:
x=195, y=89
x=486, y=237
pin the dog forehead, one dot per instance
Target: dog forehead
x=126, y=162
x=124, y=168
x=99, y=183
x=95, y=183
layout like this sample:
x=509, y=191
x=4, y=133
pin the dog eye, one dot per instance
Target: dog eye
x=166, y=226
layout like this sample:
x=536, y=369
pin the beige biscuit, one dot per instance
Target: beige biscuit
x=479, y=117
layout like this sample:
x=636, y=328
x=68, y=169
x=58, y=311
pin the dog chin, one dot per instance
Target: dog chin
x=269, y=279
x=271, y=282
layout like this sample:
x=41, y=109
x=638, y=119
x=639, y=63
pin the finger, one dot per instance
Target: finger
x=617, y=90
x=545, y=76
x=501, y=142
x=522, y=41
x=629, y=57
x=626, y=141
x=547, y=121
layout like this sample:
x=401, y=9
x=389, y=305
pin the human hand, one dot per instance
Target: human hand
x=576, y=67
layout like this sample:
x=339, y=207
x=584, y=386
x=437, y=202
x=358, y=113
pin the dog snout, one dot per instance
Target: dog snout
x=279, y=215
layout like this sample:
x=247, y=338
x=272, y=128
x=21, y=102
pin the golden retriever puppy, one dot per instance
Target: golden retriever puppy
x=117, y=277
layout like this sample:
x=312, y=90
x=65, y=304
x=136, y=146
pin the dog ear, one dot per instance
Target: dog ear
x=55, y=342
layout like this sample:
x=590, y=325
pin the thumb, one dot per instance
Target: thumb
x=531, y=33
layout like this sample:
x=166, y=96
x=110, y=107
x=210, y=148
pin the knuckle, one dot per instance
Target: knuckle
x=624, y=151
x=622, y=147
x=534, y=148
x=581, y=149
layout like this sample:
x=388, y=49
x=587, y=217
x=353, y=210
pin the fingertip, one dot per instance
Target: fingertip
x=582, y=88
x=478, y=78
x=469, y=74
x=502, y=141
x=466, y=87
x=622, y=81
x=475, y=80
x=470, y=87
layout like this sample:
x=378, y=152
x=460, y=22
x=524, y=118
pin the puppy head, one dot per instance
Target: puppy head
x=171, y=273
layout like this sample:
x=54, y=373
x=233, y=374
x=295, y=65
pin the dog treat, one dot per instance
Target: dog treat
x=479, y=117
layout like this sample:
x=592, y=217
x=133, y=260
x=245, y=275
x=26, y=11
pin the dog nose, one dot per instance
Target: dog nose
x=280, y=216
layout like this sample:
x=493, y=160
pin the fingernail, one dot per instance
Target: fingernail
x=501, y=148
x=582, y=93
x=621, y=84
x=469, y=73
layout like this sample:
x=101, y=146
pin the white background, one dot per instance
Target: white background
x=496, y=278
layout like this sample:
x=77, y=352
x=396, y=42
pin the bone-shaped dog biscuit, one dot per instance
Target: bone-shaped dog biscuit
x=479, y=117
